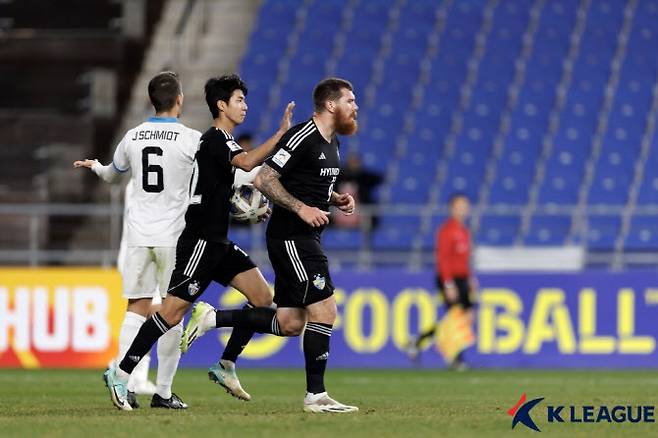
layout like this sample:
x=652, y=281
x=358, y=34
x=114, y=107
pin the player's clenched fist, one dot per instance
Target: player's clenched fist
x=313, y=216
x=345, y=203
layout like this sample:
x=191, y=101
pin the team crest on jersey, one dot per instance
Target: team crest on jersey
x=281, y=157
x=193, y=288
x=318, y=281
x=233, y=146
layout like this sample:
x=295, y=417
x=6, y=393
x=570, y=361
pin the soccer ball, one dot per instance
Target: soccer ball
x=248, y=204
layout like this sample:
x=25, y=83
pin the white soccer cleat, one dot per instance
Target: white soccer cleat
x=228, y=379
x=322, y=403
x=198, y=325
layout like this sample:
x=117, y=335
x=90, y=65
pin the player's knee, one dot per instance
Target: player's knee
x=291, y=327
x=140, y=306
x=172, y=314
x=324, y=312
x=172, y=318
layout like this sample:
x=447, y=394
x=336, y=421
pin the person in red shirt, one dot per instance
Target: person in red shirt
x=453, y=270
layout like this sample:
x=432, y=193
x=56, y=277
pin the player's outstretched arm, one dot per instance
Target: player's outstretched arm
x=107, y=173
x=267, y=181
x=344, y=201
x=247, y=161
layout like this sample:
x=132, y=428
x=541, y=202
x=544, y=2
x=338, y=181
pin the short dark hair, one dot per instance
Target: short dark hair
x=455, y=196
x=222, y=88
x=329, y=89
x=164, y=88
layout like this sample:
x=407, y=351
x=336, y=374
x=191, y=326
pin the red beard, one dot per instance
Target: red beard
x=346, y=123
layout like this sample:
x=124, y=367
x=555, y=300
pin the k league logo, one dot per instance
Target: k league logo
x=521, y=412
x=580, y=414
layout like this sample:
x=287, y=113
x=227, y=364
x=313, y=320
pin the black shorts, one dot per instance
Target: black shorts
x=463, y=292
x=199, y=261
x=301, y=272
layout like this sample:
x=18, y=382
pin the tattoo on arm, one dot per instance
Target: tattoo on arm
x=271, y=187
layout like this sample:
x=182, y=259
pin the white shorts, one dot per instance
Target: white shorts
x=146, y=271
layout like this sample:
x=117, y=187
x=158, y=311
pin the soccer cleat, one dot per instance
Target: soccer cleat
x=132, y=400
x=197, y=325
x=173, y=402
x=227, y=378
x=458, y=365
x=118, y=389
x=412, y=350
x=322, y=403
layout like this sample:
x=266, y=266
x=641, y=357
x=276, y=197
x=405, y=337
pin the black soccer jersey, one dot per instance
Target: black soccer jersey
x=207, y=216
x=309, y=166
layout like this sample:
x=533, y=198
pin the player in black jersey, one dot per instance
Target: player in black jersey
x=203, y=251
x=300, y=179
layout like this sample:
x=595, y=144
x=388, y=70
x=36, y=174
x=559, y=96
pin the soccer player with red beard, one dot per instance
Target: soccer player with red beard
x=299, y=178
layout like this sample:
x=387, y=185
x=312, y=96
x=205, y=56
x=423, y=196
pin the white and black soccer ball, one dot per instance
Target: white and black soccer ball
x=248, y=204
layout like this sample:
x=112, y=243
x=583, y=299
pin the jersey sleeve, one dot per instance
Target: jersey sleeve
x=286, y=157
x=192, y=145
x=229, y=148
x=121, y=160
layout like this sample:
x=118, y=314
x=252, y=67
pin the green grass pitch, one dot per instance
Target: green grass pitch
x=393, y=403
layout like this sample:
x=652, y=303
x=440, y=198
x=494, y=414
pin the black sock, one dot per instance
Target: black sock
x=258, y=319
x=425, y=335
x=239, y=339
x=316, y=353
x=148, y=334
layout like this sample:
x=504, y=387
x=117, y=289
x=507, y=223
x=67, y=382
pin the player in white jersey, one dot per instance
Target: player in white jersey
x=159, y=154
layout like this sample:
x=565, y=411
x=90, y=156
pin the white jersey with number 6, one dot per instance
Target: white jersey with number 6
x=160, y=154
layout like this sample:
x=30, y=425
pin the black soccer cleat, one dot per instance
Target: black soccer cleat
x=173, y=402
x=132, y=400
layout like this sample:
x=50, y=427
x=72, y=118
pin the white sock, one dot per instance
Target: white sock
x=210, y=321
x=131, y=324
x=227, y=364
x=140, y=374
x=313, y=398
x=168, y=357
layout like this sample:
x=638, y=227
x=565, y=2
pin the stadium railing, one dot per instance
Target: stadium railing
x=356, y=248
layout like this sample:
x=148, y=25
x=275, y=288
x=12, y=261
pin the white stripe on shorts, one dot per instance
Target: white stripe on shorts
x=296, y=262
x=194, y=260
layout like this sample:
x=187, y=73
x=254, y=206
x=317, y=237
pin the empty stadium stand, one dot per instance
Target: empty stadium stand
x=543, y=112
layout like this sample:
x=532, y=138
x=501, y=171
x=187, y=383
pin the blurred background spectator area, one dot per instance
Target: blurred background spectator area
x=542, y=112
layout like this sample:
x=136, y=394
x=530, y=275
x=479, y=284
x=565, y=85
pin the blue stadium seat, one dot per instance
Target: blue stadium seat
x=648, y=193
x=609, y=188
x=510, y=189
x=410, y=190
x=465, y=180
x=336, y=238
x=602, y=232
x=560, y=189
x=643, y=234
x=548, y=230
x=497, y=230
x=395, y=232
